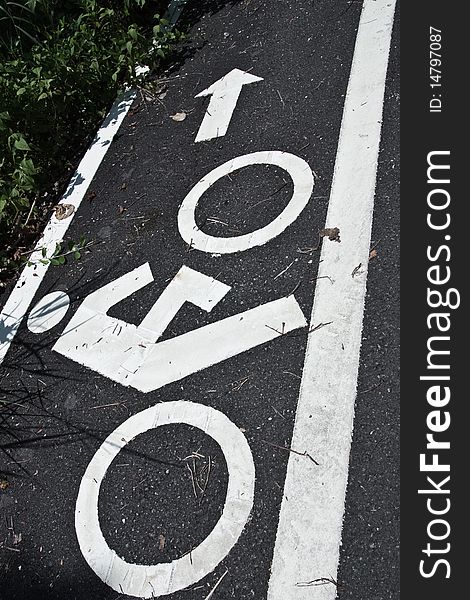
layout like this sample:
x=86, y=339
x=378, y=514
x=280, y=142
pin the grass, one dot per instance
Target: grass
x=62, y=63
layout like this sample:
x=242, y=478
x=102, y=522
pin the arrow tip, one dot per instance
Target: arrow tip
x=234, y=78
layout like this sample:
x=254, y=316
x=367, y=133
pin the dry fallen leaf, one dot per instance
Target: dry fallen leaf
x=121, y=209
x=179, y=116
x=3, y=484
x=372, y=254
x=332, y=233
x=161, y=542
x=62, y=211
x=123, y=185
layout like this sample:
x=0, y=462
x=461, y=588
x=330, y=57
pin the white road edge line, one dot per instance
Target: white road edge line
x=309, y=532
x=20, y=298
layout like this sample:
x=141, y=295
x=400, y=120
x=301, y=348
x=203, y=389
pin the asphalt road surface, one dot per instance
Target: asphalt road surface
x=205, y=404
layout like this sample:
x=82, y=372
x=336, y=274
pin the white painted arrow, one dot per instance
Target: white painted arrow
x=224, y=99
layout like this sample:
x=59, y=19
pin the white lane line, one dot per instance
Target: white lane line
x=31, y=277
x=309, y=531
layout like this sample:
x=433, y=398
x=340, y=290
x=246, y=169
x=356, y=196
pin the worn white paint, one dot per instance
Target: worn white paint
x=309, y=532
x=201, y=348
x=296, y=168
x=48, y=312
x=18, y=303
x=187, y=286
x=131, y=355
x=153, y=581
x=224, y=96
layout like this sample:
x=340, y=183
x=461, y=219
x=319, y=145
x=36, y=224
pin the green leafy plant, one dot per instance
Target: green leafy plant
x=62, y=251
x=60, y=69
x=16, y=23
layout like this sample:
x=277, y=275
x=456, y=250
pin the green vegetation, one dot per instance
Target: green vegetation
x=62, y=63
